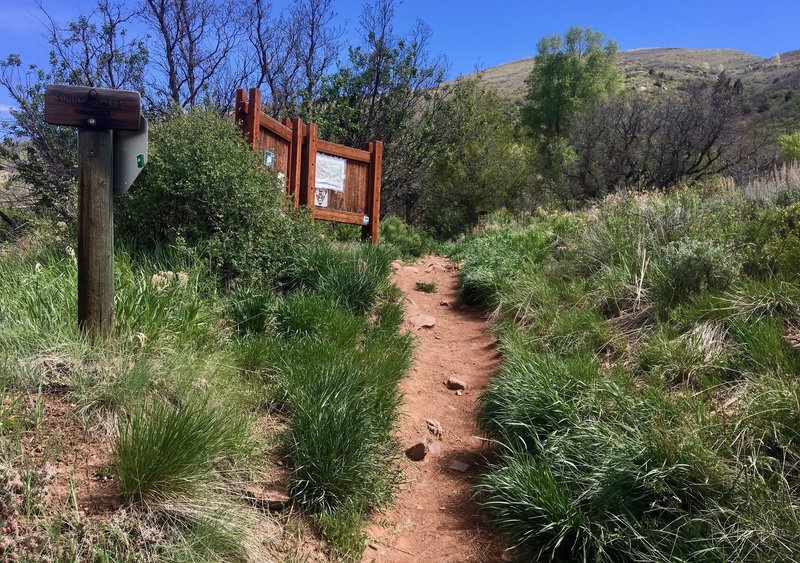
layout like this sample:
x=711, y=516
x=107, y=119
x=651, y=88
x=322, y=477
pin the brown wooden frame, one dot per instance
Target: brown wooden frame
x=296, y=145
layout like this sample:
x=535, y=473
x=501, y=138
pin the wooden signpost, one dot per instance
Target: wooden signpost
x=97, y=113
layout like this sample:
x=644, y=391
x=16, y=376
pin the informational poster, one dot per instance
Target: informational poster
x=330, y=172
x=321, y=198
x=269, y=159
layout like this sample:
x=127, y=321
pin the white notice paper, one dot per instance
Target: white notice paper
x=330, y=173
x=321, y=198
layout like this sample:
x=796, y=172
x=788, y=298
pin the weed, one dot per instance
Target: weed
x=426, y=287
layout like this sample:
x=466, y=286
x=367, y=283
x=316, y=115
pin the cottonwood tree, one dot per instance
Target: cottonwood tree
x=387, y=91
x=194, y=50
x=569, y=71
x=92, y=50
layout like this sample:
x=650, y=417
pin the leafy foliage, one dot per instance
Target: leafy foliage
x=790, y=145
x=480, y=166
x=570, y=70
x=203, y=191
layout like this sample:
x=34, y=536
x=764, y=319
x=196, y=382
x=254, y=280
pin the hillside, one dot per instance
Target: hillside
x=770, y=83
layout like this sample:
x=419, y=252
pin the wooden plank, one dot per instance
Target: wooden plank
x=95, y=232
x=251, y=118
x=96, y=108
x=295, y=161
x=275, y=127
x=326, y=214
x=343, y=152
x=311, y=163
x=241, y=106
x=373, y=202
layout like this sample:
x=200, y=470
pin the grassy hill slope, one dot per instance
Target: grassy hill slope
x=770, y=83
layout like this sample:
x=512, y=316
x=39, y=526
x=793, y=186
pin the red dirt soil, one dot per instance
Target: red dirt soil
x=433, y=518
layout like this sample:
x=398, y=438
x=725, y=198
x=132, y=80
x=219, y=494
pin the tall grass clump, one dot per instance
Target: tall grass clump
x=169, y=452
x=352, y=275
x=646, y=408
x=332, y=356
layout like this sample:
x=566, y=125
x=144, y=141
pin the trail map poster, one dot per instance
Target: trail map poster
x=330, y=173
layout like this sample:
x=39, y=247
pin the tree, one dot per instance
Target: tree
x=481, y=164
x=569, y=71
x=636, y=141
x=195, y=51
x=92, y=50
x=294, y=51
x=388, y=91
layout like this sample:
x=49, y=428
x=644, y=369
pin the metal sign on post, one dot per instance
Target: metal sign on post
x=112, y=150
x=130, y=156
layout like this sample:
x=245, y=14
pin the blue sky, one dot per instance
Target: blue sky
x=484, y=33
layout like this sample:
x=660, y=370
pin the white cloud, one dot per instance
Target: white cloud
x=5, y=108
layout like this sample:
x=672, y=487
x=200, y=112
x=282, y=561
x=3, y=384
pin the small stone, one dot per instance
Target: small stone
x=420, y=321
x=459, y=466
x=459, y=392
x=434, y=427
x=444, y=303
x=455, y=384
x=271, y=499
x=435, y=448
x=417, y=452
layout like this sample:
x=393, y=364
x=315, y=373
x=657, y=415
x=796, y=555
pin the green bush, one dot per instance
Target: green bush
x=203, y=190
x=409, y=241
x=690, y=266
x=778, y=240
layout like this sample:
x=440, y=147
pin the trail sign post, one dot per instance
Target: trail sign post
x=112, y=150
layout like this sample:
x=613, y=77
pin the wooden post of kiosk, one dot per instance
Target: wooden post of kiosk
x=97, y=113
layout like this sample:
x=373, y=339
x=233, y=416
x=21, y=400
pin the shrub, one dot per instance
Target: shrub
x=778, y=239
x=167, y=452
x=409, y=241
x=203, y=189
x=690, y=266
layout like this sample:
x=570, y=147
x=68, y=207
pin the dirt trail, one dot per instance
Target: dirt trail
x=433, y=519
